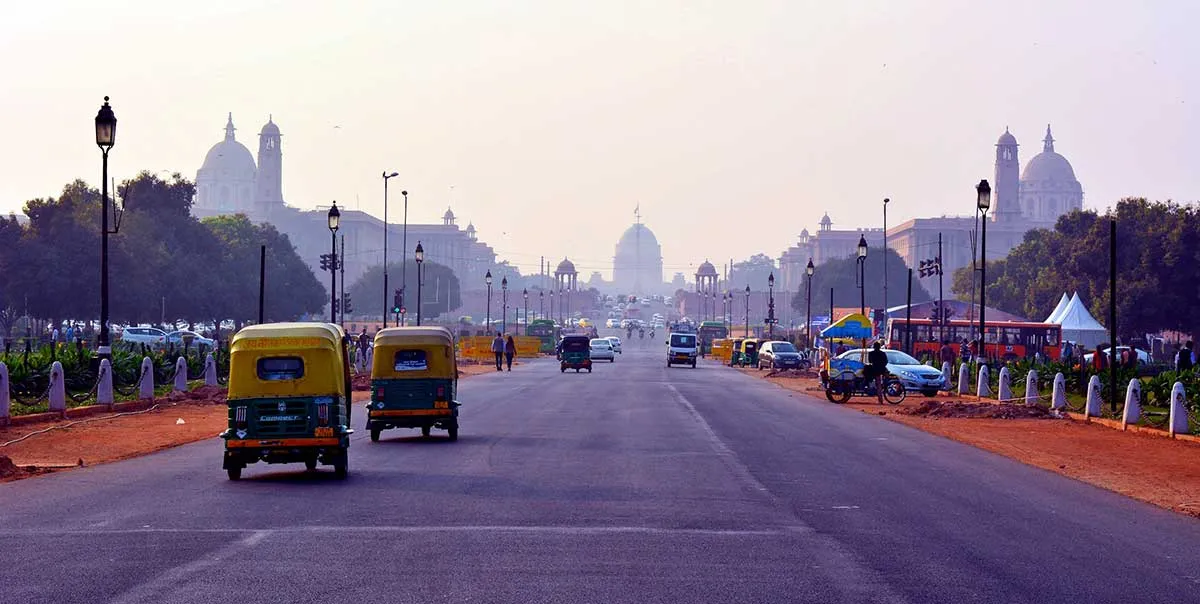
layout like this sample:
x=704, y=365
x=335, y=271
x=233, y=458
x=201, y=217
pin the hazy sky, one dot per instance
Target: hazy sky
x=733, y=124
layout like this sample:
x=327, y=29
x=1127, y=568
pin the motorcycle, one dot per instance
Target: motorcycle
x=844, y=379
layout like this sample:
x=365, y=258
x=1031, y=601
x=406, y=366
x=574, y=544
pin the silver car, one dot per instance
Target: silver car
x=616, y=343
x=915, y=376
x=601, y=348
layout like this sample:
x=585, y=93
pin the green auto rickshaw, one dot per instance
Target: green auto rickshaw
x=414, y=377
x=289, y=395
x=575, y=352
x=735, y=347
x=748, y=355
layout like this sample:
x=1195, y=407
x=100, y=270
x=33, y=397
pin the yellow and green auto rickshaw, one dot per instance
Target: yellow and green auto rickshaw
x=735, y=351
x=289, y=397
x=748, y=354
x=414, y=377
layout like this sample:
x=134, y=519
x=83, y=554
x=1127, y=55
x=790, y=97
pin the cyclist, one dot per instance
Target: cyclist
x=877, y=368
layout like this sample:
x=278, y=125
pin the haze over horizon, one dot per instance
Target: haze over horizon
x=732, y=126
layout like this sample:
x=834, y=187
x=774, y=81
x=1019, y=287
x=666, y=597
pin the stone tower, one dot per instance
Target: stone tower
x=268, y=193
x=1007, y=180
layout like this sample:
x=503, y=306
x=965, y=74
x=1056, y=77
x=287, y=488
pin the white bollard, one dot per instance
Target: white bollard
x=1133, y=403
x=1005, y=388
x=1031, y=388
x=180, y=375
x=370, y=356
x=964, y=379
x=146, y=385
x=1093, y=398
x=5, y=399
x=104, y=392
x=946, y=374
x=210, y=370
x=358, y=360
x=982, y=388
x=1179, y=417
x=58, y=388
x=1059, y=399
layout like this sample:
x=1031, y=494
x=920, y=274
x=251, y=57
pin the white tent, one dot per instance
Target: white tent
x=1062, y=305
x=1079, y=326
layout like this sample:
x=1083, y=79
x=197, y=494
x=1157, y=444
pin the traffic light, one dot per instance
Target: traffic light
x=347, y=305
x=335, y=307
x=324, y=262
x=397, y=302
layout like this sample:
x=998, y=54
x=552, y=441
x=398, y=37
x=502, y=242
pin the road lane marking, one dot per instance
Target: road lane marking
x=171, y=580
x=258, y=534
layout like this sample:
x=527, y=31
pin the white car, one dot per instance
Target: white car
x=616, y=343
x=149, y=336
x=601, y=348
x=194, y=339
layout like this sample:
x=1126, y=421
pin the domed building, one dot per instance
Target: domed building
x=226, y=181
x=229, y=181
x=1048, y=187
x=638, y=263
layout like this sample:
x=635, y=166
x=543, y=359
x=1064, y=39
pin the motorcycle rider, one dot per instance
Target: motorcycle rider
x=876, y=368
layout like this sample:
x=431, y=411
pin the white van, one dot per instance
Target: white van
x=682, y=349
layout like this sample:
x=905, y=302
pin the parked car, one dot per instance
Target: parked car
x=780, y=355
x=601, y=348
x=194, y=339
x=150, y=336
x=616, y=343
x=910, y=372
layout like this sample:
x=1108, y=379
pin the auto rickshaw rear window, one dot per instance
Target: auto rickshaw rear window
x=274, y=369
x=410, y=360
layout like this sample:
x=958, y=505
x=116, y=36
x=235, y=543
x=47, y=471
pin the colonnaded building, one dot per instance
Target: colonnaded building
x=230, y=182
x=1022, y=200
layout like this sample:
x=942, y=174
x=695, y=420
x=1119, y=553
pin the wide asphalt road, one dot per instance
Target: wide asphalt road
x=632, y=484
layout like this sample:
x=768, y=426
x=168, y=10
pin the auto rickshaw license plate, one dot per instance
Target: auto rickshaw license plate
x=441, y=404
x=319, y=432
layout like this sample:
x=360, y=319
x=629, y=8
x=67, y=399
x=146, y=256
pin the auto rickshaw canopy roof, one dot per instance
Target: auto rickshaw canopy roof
x=437, y=344
x=318, y=346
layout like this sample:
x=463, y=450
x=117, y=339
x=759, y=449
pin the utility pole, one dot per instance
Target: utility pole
x=342, y=285
x=262, y=282
x=885, y=249
x=941, y=301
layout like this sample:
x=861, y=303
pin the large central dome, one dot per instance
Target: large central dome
x=637, y=265
x=229, y=159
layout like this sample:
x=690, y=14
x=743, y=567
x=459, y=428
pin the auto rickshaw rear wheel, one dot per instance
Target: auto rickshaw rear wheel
x=234, y=473
x=837, y=397
x=452, y=431
x=375, y=434
x=310, y=464
x=341, y=465
x=425, y=431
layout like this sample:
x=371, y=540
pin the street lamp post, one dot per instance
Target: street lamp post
x=334, y=218
x=525, y=294
x=488, y=279
x=862, y=280
x=419, y=256
x=504, y=304
x=747, y=333
x=983, y=201
x=106, y=137
x=771, y=306
x=885, y=249
x=404, y=260
x=386, y=177
x=541, y=306
x=809, y=270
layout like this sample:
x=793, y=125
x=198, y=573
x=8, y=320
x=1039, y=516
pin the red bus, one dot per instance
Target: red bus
x=1005, y=339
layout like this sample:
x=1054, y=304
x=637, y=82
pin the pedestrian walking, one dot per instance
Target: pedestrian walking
x=1183, y=359
x=498, y=350
x=1099, y=360
x=364, y=341
x=510, y=350
x=946, y=354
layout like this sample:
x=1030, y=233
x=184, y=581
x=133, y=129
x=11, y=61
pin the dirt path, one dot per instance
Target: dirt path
x=1151, y=468
x=106, y=438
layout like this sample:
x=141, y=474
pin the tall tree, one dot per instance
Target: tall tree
x=440, y=292
x=841, y=275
